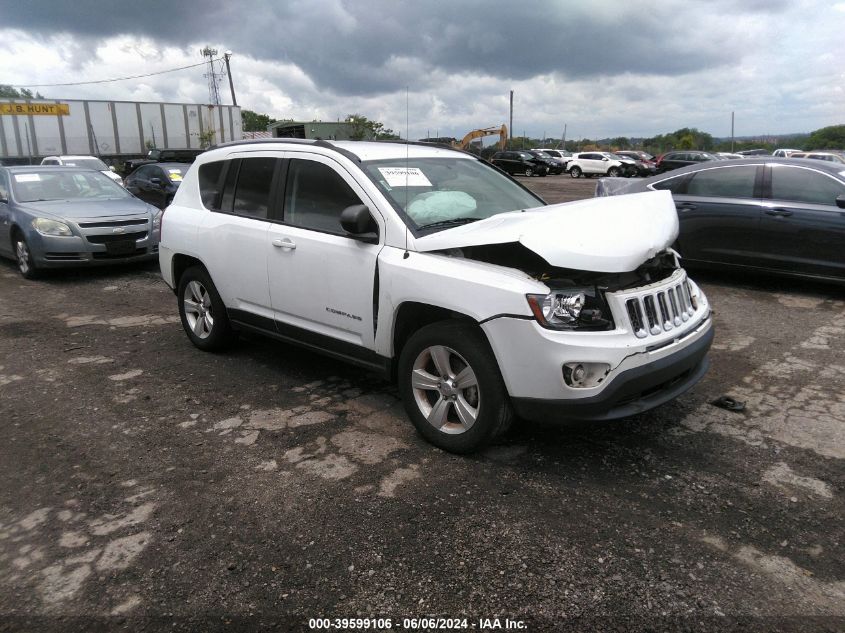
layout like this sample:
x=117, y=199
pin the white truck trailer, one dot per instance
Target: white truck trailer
x=113, y=130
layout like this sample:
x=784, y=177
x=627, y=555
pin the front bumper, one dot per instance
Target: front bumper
x=632, y=391
x=50, y=251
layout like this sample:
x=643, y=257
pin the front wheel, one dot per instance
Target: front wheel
x=575, y=172
x=23, y=258
x=614, y=172
x=202, y=311
x=452, y=388
x=529, y=172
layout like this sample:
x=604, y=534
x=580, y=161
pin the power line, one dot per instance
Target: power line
x=105, y=81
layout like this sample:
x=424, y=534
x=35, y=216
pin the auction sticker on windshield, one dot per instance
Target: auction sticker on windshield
x=27, y=177
x=404, y=177
x=175, y=174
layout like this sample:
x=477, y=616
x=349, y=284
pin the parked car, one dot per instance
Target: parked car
x=778, y=215
x=831, y=157
x=594, y=164
x=432, y=266
x=520, y=162
x=675, y=160
x=554, y=165
x=156, y=183
x=86, y=162
x=784, y=153
x=54, y=217
x=560, y=154
x=643, y=161
x=754, y=152
x=728, y=155
x=158, y=155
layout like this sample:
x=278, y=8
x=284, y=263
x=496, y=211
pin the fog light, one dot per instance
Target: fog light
x=583, y=375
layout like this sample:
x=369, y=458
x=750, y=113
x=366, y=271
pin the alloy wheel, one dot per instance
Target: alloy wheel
x=445, y=389
x=198, y=312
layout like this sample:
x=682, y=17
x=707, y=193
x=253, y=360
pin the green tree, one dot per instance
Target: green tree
x=832, y=137
x=254, y=122
x=10, y=92
x=366, y=129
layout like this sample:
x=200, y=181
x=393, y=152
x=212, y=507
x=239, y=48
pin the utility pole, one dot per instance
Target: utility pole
x=226, y=56
x=732, y=131
x=510, y=129
x=563, y=138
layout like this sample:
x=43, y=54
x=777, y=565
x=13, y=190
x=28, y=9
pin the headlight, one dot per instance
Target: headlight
x=571, y=309
x=46, y=226
x=157, y=219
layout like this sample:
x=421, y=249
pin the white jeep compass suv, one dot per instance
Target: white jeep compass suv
x=434, y=268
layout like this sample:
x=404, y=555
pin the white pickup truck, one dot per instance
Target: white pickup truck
x=436, y=270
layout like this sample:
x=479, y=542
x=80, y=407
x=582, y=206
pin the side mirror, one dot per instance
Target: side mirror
x=605, y=158
x=840, y=201
x=359, y=224
x=155, y=181
x=111, y=168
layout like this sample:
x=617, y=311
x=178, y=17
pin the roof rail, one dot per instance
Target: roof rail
x=318, y=142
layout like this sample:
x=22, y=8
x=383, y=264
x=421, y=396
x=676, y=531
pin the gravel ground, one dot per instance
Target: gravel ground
x=149, y=486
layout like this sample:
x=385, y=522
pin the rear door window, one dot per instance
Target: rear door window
x=725, y=182
x=252, y=192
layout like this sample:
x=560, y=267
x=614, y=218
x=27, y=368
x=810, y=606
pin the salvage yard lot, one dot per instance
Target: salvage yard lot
x=148, y=484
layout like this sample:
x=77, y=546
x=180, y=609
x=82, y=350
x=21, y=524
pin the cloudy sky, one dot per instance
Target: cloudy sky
x=602, y=68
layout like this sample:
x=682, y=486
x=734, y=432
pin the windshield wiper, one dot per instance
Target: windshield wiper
x=452, y=222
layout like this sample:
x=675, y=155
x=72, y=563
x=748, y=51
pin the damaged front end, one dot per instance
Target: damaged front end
x=577, y=298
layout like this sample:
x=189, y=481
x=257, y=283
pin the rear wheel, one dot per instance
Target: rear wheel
x=23, y=257
x=452, y=388
x=202, y=311
x=575, y=172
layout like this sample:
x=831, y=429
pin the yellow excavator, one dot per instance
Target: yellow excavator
x=487, y=131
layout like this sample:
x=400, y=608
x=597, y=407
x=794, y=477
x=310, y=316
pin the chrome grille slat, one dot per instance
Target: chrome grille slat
x=653, y=311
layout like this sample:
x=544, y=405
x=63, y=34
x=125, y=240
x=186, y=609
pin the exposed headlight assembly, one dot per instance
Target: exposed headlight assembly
x=570, y=309
x=45, y=226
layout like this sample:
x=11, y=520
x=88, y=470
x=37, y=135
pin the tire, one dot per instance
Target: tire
x=529, y=172
x=575, y=171
x=23, y=257
x=202, y=311
x=614, y=172
x=463, y=419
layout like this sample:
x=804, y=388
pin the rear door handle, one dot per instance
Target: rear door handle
x=685, y=206
x=784, y=213
x=285, y=243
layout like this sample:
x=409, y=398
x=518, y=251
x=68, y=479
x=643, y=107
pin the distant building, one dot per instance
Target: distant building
x=329, y=131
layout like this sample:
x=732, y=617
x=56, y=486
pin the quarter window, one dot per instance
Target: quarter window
x=210, y=185
x=804, y=185
x=315, y=196
x=726, y=182
x=675, y=185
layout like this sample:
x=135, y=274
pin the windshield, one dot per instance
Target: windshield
x=437, y=190
x=66, y=185
x=87, y=163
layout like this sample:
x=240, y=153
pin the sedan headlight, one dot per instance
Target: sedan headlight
x=157, y=219
x=571, y=309
x=45, y=226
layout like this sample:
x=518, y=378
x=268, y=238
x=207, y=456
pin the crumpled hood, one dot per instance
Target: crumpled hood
x=615, y=234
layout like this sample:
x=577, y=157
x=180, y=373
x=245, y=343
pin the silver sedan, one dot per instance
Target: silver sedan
x=64, y=216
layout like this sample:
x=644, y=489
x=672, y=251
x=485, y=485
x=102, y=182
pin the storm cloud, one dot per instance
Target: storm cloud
x=602, y=63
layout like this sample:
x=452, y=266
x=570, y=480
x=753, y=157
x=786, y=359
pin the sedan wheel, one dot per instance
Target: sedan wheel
x=529, y=172
x=23, y=258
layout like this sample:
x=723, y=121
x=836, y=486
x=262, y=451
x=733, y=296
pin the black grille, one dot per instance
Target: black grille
x=135, y=253
x=109, y=223
x=64, y=257
x=117, y=237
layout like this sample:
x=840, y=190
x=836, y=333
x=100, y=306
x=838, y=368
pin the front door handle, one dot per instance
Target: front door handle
x=285, y=243
x=685, y=206
x=784, y=213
